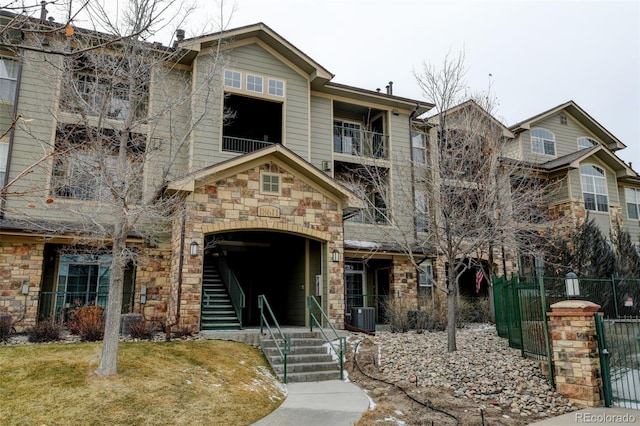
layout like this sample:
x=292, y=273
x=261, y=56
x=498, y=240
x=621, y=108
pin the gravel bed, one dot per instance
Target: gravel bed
x=483, y=369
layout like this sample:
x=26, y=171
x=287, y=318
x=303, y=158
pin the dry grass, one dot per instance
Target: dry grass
x=173, y=383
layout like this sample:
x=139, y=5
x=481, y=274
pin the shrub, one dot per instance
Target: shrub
x=473, y=310
x=141, y=330
x=6, y=323
x=180, y=332
x=44, y=331
x=87, y=322
x=396, y=312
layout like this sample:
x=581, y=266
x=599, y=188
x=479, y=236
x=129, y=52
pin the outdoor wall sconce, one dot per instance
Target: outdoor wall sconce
x=193, y=249
x=573, y=284
x=25, y=289
x=143, y=295
x=335, y=256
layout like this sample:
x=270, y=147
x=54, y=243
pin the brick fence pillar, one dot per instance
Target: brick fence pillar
x=576, y=364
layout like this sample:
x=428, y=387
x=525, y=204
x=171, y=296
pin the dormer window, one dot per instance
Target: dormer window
x=586, y=143
x=543, y=142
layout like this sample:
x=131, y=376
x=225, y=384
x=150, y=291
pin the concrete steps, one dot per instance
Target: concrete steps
x=309, y=360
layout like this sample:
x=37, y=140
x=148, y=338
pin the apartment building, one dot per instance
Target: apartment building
x=273, y=199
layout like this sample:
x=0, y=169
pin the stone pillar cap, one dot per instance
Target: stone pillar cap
x=575, y=305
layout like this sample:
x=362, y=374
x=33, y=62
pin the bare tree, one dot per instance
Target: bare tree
x=124, y=120
x=465, y=199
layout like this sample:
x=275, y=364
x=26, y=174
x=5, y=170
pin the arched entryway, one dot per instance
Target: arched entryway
x=282, y=266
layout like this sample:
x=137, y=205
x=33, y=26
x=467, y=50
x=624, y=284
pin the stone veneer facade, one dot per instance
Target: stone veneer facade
x=22, y=265
x=235, y=202
x=575, y=351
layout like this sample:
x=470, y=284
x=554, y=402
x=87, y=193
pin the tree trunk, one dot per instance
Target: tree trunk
x=451, y=319
x=109, y=361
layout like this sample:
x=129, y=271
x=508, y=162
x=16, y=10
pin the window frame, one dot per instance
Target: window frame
x=419, y=146
x=634, y=203
x=586, y=138
x=542, y=142
x=279, y=88
x=270, y=190
x=425, y=275
x=8, y=81
x=593, y=185
x=232, y=79
x=253, y=85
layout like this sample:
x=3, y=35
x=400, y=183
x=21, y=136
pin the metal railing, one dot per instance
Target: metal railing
x=352, y=141
x=283, y=351
x=58, y=304
x=233, y=286
x=312, y=303
x=242, y=145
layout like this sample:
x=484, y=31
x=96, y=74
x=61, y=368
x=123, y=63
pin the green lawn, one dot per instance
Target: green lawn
x=207, y=382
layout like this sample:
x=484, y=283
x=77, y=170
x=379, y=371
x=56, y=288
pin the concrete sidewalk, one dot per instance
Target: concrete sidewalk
x=332, y=402
x=595, y=416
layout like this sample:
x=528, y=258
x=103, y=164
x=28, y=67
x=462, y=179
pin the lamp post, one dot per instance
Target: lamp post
x=572, y=284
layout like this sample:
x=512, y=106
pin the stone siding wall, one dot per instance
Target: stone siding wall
x=575, y=351
x=21, y=263
x=404, y=282
x=236, y=202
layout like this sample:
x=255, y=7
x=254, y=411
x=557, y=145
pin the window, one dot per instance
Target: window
x=543, y=142
x=346, y=137
x=422, y=212
x=586, y=143
x=632, y=196
x=354, y=284
x=89, y=169
x=232, y=79
x=418, y=143
x=8, y=77
x=254, y=83
x=425, y=275
x=270, y=183
x=83, y=280
x=276, y=87
x=104, y=89
x=4, y=157
x=594, y=188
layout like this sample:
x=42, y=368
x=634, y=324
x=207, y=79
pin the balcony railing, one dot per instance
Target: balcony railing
x=347, y=140
x=241, y=145
x=57, y=304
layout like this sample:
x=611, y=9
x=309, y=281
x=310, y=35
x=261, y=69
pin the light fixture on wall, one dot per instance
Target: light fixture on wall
x=335, y=256
x=193, y=249
x=143, y=295
x=573, y=284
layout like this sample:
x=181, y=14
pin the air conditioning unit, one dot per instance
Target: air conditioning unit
x=364, y=318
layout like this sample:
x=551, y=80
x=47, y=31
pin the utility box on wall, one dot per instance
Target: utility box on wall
x=364, y=318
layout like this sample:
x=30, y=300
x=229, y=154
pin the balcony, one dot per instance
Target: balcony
x=351, y=140
x=242, y=145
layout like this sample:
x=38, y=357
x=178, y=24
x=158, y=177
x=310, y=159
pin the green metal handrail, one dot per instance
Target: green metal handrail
x=263, y=305
x=313, y=302
x=233, y=286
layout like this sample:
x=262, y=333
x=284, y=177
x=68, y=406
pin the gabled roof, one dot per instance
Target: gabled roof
x=579, y=114
x=281, y=154
x=319, y=76
x=573, y=160
x=433, y=119
x=271, y=38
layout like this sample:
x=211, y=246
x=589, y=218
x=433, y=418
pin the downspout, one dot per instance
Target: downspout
x=413, y=187
x=11, y=136
x=180, y=267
